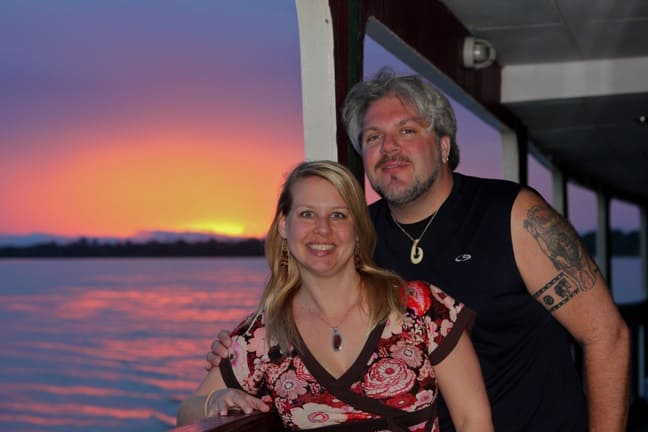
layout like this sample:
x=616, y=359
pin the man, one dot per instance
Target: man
x=501, y=250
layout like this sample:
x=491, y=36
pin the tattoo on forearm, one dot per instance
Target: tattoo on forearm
x=556, y=293
x=560, y=242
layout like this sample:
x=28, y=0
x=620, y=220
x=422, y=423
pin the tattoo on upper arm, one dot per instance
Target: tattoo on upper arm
x=560, y=242
x=556, y=293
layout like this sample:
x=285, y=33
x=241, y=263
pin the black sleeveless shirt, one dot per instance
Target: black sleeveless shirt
x=524, y=352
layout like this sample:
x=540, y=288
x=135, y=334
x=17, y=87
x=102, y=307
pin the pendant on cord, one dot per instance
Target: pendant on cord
x=336, y=340
x=416, y=253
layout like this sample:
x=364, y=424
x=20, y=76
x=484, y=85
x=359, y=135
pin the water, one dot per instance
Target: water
x=116, y=344
x=112, y=344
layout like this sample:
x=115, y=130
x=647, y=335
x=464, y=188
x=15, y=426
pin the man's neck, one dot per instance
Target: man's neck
x=427, y=203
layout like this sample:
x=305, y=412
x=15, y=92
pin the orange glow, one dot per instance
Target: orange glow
x=161, y=180
x=214, y=227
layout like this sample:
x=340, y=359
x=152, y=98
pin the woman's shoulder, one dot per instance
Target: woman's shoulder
x=251, y=324
x=425, y=298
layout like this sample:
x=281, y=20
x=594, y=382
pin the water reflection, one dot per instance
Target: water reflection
x=112, y=344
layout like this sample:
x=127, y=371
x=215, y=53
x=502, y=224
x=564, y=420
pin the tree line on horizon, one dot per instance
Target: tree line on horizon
x=92, y=248
x=622, y=244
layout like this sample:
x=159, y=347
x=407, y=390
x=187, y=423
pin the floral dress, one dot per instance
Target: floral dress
x=390, y=386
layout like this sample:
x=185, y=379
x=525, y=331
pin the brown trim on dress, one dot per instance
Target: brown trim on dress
x=464, y=321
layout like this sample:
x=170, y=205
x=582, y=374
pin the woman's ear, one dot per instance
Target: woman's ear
x=281, y=227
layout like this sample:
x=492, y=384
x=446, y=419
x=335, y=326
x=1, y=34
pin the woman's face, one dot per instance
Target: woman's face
x=319, y=229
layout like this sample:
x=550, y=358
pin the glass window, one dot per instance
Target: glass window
x=540, y=178
x=626, y=264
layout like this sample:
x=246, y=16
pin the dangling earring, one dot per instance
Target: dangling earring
x=356, y=256
x=285, y=254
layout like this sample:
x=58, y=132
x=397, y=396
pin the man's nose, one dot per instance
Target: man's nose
x=390, y=144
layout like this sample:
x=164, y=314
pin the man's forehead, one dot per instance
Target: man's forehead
x=406, y=119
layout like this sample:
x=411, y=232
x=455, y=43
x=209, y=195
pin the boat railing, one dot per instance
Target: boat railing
x=255, y=422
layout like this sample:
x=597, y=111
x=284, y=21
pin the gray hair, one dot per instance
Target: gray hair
x=431, y=105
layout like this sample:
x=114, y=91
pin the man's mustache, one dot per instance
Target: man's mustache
x=388, y=159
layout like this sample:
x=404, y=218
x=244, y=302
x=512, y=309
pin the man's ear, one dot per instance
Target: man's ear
x=445, y=144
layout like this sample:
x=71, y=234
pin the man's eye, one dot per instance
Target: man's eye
x=407, y=131
x=372, y=139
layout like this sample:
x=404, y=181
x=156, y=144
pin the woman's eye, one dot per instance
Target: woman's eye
x=338, y=215
x=306, y=214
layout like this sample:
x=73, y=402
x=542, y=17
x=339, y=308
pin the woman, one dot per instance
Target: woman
x=336, y=340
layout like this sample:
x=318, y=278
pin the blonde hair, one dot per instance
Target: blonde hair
x=382, y=288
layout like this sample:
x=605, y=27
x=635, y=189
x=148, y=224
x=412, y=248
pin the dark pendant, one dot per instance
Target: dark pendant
x=336, y=340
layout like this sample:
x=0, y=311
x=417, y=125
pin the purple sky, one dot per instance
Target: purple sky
x=82, y=78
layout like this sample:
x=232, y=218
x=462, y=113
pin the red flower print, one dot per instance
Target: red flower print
x=356, y=387
x=289, y=386
x=401, y=401
x=419, y=299
x=387, y=378
x=300, y=369
x=410, y=354
x=312, y=415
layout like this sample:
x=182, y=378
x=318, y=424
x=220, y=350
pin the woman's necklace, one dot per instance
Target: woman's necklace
x=336, y=336
x=416, y=252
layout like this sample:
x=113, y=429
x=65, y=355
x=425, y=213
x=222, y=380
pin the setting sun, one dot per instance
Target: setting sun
x=210, y=227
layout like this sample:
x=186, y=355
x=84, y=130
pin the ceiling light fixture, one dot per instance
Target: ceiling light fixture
x=477, y=53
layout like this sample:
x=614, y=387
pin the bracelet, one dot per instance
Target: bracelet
x=207, y=400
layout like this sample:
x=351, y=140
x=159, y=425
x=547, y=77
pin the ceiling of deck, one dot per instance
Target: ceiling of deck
x=576, y=73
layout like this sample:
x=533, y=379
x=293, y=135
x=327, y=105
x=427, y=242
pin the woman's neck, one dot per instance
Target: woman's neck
x=330, y=296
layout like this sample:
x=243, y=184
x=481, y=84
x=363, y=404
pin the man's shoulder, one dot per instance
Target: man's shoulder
x=486, y=188
x=485, y=182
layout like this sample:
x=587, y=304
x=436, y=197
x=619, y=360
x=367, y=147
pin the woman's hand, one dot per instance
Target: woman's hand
x=221, y=401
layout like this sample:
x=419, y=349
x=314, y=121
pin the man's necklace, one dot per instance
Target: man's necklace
x=416, y=252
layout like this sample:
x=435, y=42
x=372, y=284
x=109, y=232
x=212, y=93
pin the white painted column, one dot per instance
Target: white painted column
x=603, y=237
x=318, y=79
x=510, y=155
x=559, y=191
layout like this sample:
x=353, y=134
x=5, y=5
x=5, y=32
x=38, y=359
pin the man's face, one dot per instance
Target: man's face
x=401, y=157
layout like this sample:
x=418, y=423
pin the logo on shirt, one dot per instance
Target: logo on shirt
x=463, y=257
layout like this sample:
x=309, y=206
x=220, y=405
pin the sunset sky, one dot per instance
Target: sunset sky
x=122, y=116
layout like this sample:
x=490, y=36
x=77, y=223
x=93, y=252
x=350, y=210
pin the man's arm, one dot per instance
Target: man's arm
x=561, y=275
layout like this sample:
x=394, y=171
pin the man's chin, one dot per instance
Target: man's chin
x=395, y=197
